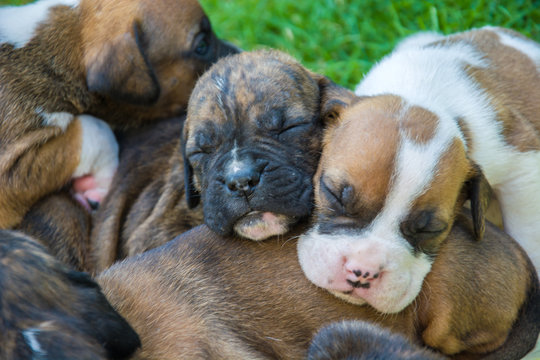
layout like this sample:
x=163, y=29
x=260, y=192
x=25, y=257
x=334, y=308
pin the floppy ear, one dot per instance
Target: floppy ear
x=193, y=197
x=120, y=69
x=479, y=193
x=333, y=98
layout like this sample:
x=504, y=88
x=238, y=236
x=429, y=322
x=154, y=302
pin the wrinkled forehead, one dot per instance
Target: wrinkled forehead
x=248, y=84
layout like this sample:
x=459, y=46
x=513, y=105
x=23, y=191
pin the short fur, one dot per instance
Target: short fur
x=440, y=121
x=133, y=65
x=360, y=340
x=252, y=141
x=226, y=297
x=146, y=206
x=52, y=312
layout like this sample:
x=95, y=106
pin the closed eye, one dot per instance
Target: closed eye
x=296, y=126
x=423, y=226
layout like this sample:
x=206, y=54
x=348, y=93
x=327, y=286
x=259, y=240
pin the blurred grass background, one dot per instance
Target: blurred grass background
x=343, y=38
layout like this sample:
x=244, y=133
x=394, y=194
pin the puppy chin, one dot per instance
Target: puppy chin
x=258, y=225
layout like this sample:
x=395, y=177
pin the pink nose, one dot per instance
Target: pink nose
x=362, y=275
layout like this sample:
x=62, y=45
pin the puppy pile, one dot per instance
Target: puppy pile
x=122, y=61
x=390, y=192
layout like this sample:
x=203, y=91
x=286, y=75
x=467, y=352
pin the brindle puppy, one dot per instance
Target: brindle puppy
x=252, y=140
x=51, y=312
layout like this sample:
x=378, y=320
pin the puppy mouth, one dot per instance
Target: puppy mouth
x=259, y=225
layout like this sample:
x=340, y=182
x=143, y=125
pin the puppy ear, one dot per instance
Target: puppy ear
x=120, y=69
x=193, y=197
x=333, y=98
x=479, y=193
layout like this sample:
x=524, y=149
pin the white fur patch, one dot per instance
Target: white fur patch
x=99, y=151
x=18, y=23
x=322, y=260
x=61, y=119
x=31, y=338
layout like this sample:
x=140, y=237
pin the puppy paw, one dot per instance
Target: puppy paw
x=88, y=193
x=98, y=162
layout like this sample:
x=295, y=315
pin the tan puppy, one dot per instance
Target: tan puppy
x=203, y=296
x=126, y=62
x=401, y=163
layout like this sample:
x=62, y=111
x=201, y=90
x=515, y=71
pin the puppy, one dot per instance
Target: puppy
x=126, y=62
x=251, y=142
x=439, y=119
x=227, y=297
x=146, y=206
x=50, y=312
x=360, y=340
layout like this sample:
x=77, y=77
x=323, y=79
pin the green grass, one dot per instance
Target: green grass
x=343, y=38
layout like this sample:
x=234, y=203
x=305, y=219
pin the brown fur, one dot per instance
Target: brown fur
x=131, y=66
x=419, y=124
x=146, y=206
x=512, y=81
x=62, y=225
x=222, y=297
x=380, y=134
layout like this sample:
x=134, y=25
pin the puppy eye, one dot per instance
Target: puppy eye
x=423, y=226
x=338, y=199
x=202, y=45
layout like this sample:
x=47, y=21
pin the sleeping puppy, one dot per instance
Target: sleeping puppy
x=402, y=161
x=146, y=206
x=252, y=139
x=232, y=298
x=360, y=340
x=50, y=312
x=126, y=62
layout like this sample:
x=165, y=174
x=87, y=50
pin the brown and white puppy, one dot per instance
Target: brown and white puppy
x=204, y=296
x=126, y=62
x=361, y=340
x=52, y=312
x=439, y=120
x=252, y=141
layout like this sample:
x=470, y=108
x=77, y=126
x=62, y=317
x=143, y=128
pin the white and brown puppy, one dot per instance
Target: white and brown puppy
x=126, y=62
x=205, y=296
x=438, y=117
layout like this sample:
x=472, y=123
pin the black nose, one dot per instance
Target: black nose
x=243, y=180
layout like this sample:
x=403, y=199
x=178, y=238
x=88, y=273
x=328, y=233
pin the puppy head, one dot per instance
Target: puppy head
x=146, y=55
x=361, y=340
x=389, y=183
x=53, y=312
x=252, y=139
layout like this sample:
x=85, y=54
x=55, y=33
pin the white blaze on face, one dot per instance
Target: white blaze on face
x=18, y=23
x=380, y=247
